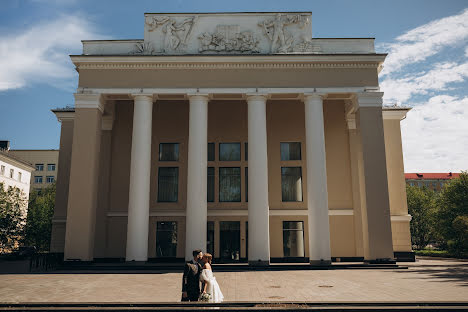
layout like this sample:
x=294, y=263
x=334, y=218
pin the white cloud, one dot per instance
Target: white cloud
x=400, y=90
x=40, y=54
x=422, y=42
x=435, y=135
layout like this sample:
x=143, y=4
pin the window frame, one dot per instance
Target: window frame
x=159, y=185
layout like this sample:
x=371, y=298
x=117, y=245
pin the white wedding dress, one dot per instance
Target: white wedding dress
x=212, y=286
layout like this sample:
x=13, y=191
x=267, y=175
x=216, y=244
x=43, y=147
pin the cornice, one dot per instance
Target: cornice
x=229, y=62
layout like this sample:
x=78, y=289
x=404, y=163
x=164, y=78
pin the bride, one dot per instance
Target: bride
x=210, y=284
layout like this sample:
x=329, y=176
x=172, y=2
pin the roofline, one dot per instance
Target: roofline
x=231, y=55
x=33, y=150
x=255, y=12
x=141, y=39
x=18, y=161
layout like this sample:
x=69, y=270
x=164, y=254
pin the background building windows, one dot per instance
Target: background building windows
x=293, y=239
x=169, y=151
x=51, y=167
x=39, y=167
x=211, y=151
x=166, y=239
x=229, y=184
x=2, y=170
x=50, y=179
x=19, y=176
x=210, y=184
x=38, y=179
x=210, y=237
x=291, y=151
x=168, y=184
x=12, y=173
x=229, y=152
x=291, y=184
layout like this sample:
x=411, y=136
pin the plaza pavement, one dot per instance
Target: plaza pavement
x=424, y=280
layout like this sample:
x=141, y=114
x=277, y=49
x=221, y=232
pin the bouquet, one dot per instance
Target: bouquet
x=205, y=297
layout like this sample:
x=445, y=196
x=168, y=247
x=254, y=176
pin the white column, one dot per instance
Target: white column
x=196, y=216
x=140, y=173
x=317, y=195
x=259, y=233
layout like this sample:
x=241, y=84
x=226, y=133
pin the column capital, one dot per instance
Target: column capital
x=107, y=122
x=257, y=96
x=90, y=100
x=134, y=96
x=369, y=99
x=314, y=96
x=198, y=96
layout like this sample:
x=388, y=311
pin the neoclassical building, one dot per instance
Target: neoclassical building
x=236, y=133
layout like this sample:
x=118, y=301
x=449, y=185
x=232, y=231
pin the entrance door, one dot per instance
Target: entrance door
x=229, y=241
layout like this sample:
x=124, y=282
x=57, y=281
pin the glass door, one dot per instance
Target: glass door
x=229, y=241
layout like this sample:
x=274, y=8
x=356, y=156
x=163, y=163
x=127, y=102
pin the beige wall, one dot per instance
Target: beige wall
x=57, y=243
x=44, y=157
x=396, y=185
x=214, y=78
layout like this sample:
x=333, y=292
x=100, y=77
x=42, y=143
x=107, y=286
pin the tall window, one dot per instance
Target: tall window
x=211, y=151
x=291, y=151
x=293, y=238
x=12, y=173
x=168, y=184
x=169, y=151
x=210, y=184
x=229, y=184
x=19, y=176
x=39, y=167
x=50, y=167
x=291, y=184
x=38, y=179
x=210, y=237
x=166, y=239
x=2, y=170
x=246, y=184
x=50, y=179
x=229, y=152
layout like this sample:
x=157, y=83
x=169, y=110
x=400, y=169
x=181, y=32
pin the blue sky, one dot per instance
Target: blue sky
x=427, y=66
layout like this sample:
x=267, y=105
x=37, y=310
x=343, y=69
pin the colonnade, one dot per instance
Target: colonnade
x=196, y=209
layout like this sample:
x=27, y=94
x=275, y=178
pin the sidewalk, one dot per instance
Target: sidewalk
x=425, y=280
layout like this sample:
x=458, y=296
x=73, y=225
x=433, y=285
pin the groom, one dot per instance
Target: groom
x=191, y=277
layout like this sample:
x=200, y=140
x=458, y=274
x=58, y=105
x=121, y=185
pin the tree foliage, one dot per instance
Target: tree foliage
x=13, y=206
x=452, y=215
x=39, y=221
x=422, y=209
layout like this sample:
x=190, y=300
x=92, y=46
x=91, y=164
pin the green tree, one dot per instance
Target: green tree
x=421, y=208
x=13, y=205
x=39, y=221
x=452, y=215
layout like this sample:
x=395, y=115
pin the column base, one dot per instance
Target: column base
x=259, y=263
x=133, y=262
x=381, y=261
x=320, y=262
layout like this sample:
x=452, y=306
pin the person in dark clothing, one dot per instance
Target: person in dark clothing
x=191, y=277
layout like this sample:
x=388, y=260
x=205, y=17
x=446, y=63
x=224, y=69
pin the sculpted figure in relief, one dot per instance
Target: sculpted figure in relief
x=175, y=35
x=228, y=38
x=274, y=29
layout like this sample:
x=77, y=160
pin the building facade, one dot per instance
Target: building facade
x=432, y=181
x=15, y=173
x=45, y=163
x=236, y=133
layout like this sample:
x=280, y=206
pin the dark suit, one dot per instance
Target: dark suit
x=191, y=280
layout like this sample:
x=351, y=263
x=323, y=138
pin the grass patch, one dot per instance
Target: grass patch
x=438, y=253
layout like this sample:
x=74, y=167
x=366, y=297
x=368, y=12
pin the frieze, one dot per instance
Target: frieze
x=175, y=34
x=228, y=38
x=281, y=39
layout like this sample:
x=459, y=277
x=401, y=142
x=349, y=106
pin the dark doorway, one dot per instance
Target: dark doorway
x=229, y=241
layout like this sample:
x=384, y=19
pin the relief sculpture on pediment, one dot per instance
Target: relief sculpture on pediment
x=175, y=33
x=282, y=40
x=228, y=39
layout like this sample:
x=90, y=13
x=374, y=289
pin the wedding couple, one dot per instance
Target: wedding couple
x=198, y=271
